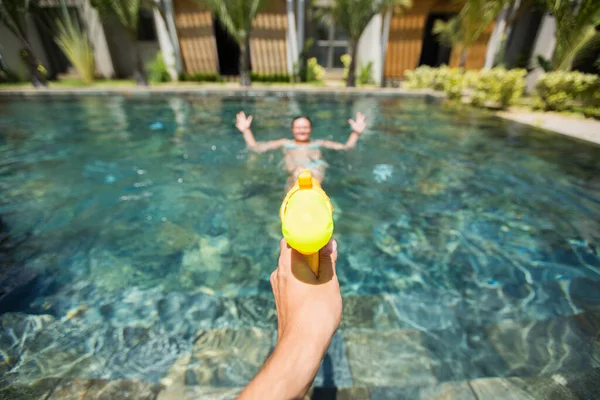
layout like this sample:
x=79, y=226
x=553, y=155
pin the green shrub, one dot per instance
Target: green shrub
x=157, y=70
x=346, y=60
x=420, y=78
x=443, y=79
x=365, y=76
x=561, y=90
x=200, y=77
x=314, y=72
x=499, y=87
x=256, y=77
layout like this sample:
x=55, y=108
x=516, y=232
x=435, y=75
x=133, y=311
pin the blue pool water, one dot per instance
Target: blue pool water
x=138, y=232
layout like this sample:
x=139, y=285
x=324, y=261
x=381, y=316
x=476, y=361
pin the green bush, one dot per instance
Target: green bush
x=443, y=79
x=420, y=78
x=314, y=72
x=499, y=87
x=366, y=73
x=157, y=70
x=255, y=77
x=346, y=59
x=200, y=77
x=560, y=91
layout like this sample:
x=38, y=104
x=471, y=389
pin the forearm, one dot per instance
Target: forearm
x=352, y=140
x=249, y=138
x=290, y=371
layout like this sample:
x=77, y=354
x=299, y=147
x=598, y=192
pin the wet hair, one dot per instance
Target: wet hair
x=302, y=116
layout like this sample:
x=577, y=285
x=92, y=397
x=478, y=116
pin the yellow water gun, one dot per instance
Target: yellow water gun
x=307, y=218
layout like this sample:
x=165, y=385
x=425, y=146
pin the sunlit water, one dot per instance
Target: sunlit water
x=130, y=217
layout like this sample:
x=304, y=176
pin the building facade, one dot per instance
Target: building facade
x=193, y=41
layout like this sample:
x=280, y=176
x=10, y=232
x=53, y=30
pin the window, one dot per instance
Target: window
x=331, y=43
x=146, y=31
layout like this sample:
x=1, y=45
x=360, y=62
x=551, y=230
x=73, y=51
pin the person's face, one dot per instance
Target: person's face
x=301, y=130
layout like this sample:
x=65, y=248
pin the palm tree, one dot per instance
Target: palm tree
x=127, y=13
x=464, y=29
x=575, y=23
x=14, y=15
x=354, y=16
x=237, y=17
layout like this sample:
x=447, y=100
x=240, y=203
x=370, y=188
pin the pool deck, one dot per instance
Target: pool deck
x=584, y=129
x=580, y=128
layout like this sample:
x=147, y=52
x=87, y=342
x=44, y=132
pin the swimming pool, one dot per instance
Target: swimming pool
x=139, y=234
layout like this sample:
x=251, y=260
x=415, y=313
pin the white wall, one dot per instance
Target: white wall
x=369, y=48
x=11, y=46
x=544, y=45
x=95, y=31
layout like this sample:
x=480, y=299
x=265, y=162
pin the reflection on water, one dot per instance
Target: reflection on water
x=135, y=233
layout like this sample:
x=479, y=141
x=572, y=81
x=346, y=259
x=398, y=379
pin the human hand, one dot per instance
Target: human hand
x=307, y=306
x=360, y=124
x=242, y=122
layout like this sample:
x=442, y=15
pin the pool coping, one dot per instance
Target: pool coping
x=221, y=90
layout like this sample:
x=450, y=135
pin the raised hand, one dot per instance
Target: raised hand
x=242, y=122
x=360, y=124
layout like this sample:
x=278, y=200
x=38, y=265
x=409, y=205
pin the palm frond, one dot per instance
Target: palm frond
x=354, y=15
x=574, y=25
x=126, y=11
x=13, y=15
x=236, y=15
x=73, y=41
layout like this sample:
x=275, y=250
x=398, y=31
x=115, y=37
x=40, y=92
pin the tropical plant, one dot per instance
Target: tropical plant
x=14, y=15
x=365, y=76
x=237, y=17
x=560, y=90
x=464, y=29
x=354, y=16
x=127, y=13
x=575, y=26
x=499, y=87
x=157, y=69
x=73, y=41
x=314, y=72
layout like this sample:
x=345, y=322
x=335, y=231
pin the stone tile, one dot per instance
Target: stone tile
x=545, y=387
x=540, y=347
x=462, y=354
x=140, y=353
x=586, y=385
x=368, y=312
x=335, y=369
x=52, y=348
x=498, y=388
x=99, y=389
x=37, y=390
x=392, y=358
x=228, y=357
x=444, y=391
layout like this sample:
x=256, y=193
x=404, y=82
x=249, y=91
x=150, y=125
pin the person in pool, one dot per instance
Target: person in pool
x=301, y=153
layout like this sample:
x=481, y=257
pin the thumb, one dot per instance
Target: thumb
x=250, y=119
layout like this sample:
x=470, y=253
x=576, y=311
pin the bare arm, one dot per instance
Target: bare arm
x=309, y=310
x=358, y=128
x=243, y=124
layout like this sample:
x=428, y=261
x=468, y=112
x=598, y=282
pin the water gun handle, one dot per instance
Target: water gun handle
x=313, y=262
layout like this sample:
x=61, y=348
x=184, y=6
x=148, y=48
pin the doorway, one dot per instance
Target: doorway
x=228, y=51
x=434, y=53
